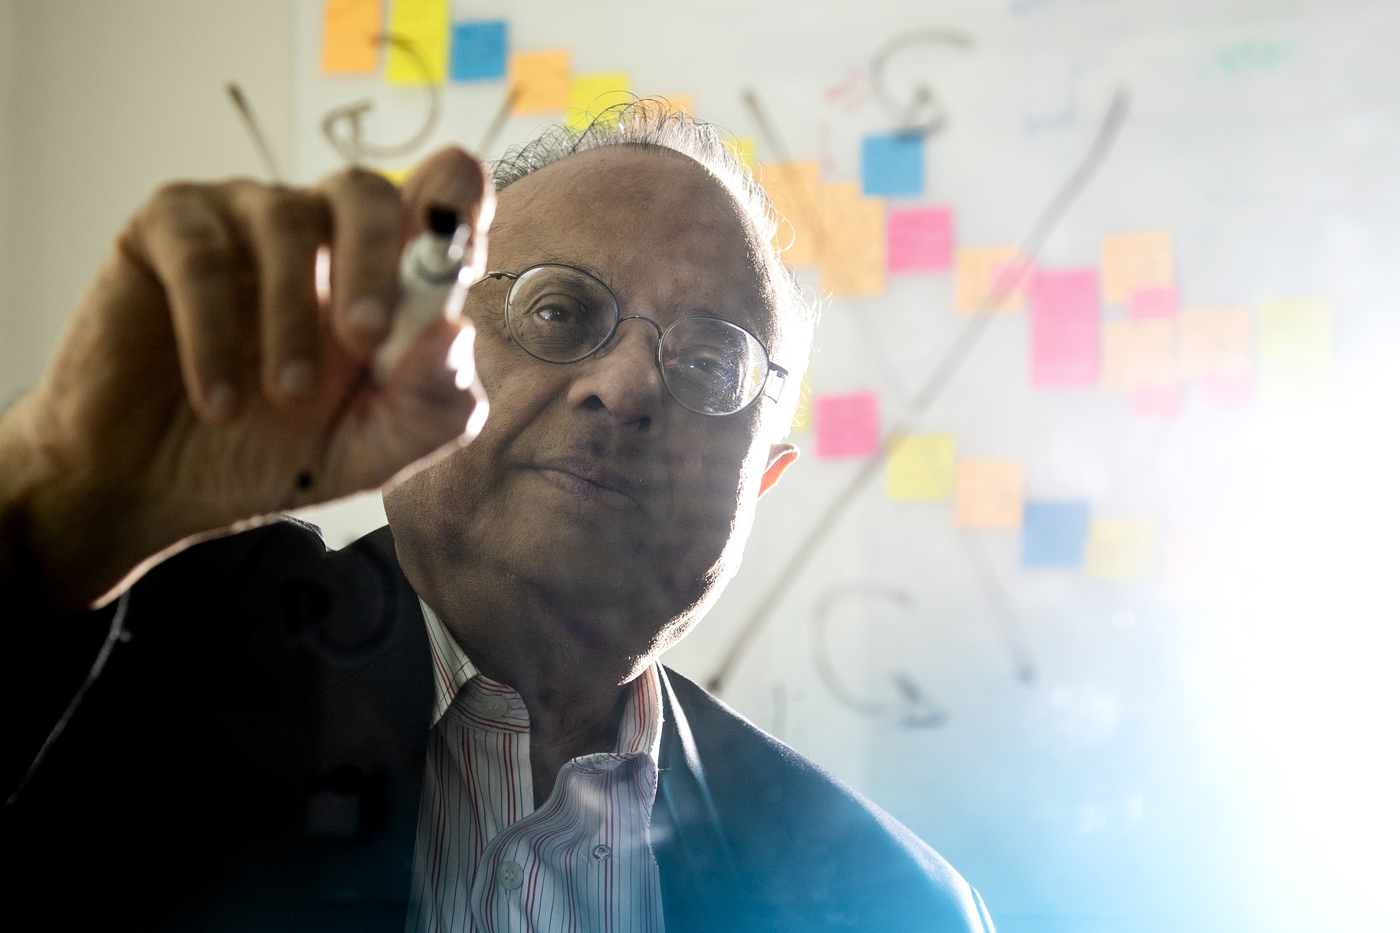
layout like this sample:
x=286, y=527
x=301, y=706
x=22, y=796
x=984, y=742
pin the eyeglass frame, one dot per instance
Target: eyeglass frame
x=763, y=390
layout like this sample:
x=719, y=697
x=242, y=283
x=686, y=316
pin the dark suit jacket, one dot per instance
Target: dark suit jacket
x=252, y=758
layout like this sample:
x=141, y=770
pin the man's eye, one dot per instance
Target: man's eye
x=557, y=314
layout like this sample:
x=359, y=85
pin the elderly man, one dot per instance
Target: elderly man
x=462, y=715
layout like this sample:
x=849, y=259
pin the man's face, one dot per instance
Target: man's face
x=590, y=489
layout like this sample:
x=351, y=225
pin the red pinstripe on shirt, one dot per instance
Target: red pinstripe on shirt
x=477, y=815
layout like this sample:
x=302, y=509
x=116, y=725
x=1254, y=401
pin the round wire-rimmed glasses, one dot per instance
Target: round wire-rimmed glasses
x=710, y=366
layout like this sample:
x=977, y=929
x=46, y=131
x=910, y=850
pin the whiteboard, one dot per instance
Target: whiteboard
x=1219, y=758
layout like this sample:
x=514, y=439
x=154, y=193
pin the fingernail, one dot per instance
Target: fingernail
x=369, y=314
x=297, y=378
x=221, y=399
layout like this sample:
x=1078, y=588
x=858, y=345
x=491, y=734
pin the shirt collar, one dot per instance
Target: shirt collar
x=639, y=732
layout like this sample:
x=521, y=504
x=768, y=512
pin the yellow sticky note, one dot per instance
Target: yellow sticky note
x=1135, y=260
x=853, y=228
x=591, y=95
x=920, y=467
x=1138, y=355
x=540, y=81
x=977, y=271
x=349, y=33
x=743, y=147
x=423, y=26
x=1295, y=349
x=801, y=415
x=1121, y=549
x=1213, y=343
x=793, y=187
x=989, y=493
x=397, y=175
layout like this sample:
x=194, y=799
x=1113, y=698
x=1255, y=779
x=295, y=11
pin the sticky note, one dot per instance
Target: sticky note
x=920, y=239
x=1138, y=354
x=988, y=493
x=397, y=175
x=591, y=95
x=1053, y=534
x=1132, y=261
x=349, y=32
x=794, y=188
x=1064, y=328
x=479, y=50
x=743, y=147
x=982, y=270
x=1295, y=349
x=920, y=467
x=1121, y=549
x=1228, y=391
x=848, y=425
x=1158, y=403
x=1156, y=301
x=685, y=103
x=540, y=81
x=422, y=24
x=892, y=164
x=854, y=233
x=804, y=400
x=1214, y=343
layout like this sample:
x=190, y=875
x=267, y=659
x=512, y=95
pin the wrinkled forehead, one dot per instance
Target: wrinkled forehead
x=652, y=223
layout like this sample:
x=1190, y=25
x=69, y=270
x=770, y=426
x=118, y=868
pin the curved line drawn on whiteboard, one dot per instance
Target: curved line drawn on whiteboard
x=923, y=113
x=914, y=708
x=343, y=126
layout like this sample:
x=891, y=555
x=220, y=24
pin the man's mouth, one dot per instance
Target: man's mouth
x=591, y=480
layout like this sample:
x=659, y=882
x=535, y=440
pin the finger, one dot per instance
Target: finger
x=366, y=217
x=283, y=228
x=451, y=178
x=186, y=240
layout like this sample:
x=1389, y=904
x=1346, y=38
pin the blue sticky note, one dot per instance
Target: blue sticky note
x=892, y=164
x=479, y=50
x=1053, y=534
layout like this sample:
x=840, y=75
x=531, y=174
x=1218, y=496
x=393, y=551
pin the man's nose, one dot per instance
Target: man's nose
x=622, y=378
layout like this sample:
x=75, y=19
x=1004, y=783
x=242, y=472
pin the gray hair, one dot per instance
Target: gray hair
x=654, y=122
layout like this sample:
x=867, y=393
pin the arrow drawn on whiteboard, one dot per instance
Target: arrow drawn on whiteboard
x=913, y=708
x=921, y=113
x=942, y=374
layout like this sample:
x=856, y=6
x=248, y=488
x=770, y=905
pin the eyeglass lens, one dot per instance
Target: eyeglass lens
x=563, y=315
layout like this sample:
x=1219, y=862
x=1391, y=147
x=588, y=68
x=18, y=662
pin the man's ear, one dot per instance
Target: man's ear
x=780, y=457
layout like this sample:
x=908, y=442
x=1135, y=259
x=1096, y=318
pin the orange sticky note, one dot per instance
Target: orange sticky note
x=920, y=467
x=1121, y=549
x=419, y=54
x=979, y=270
x=540, y=81
x=682, y=102
x=1138, y=355
x=1135, y=260
x=1213, y=343
x=989, y=493
x=793, y=188
x=348, y=32
x=591, y=95
x=854, y=227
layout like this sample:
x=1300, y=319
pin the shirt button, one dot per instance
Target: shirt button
x=511, y=875
x=602, y=853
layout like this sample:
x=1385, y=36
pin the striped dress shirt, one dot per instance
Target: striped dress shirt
x=486, y=859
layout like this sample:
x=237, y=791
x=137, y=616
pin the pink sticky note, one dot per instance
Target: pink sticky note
x=920, y=239
x=1158, y=403
x=1228, y=390
x=1157, y=301
x=848, y=425
x=1064, y=328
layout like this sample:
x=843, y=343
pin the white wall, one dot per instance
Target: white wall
x=99, y=103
